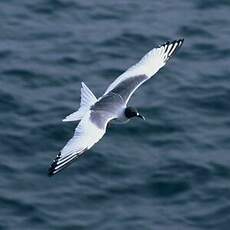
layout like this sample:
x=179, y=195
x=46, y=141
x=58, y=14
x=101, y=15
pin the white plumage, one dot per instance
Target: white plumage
x=94, y=114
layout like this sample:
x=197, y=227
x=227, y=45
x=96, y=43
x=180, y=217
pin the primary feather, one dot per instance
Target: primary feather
x=94, y=114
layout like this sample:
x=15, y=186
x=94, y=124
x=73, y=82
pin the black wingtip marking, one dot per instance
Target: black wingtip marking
x=53, y=170
x=178, y=43
x=167, y=45
x=175, y=45
x=50, y=172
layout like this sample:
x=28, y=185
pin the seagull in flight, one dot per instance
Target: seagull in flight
x=94, y=114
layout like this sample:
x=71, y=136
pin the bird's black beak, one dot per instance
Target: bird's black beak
x=142, y=117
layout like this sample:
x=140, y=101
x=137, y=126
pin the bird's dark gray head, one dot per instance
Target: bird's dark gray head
x=132, y=112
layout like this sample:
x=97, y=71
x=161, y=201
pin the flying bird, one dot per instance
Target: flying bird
x=94, y=114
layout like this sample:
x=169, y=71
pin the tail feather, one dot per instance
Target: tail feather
x=87, y=100
x=78, y=115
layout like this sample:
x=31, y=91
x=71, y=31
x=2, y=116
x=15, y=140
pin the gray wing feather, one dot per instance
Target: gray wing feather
x=106, y=108
x=112, y=104
x=127, y=87
x=101, y=118
x=109, y=102
x=154, y=60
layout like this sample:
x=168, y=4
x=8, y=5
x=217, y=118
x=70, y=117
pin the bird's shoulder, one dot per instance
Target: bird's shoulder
x=110, y=102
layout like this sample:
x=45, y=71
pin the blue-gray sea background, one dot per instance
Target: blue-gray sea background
x=171, y=171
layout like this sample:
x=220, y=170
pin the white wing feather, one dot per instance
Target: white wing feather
x=85, y=136
x=150, y=63
x=88, y=132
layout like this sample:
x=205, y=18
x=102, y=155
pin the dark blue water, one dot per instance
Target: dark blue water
x=171, y=171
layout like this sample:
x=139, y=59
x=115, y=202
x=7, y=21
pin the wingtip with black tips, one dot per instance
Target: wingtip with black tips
x=172, y=47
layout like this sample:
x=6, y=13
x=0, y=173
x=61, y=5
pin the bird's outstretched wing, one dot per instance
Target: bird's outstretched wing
x=89, y=131
x=129, y=81
x=92, y=126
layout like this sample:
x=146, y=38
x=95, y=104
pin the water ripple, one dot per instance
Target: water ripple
x=169, y=172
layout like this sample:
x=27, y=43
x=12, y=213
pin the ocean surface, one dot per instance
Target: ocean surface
x=171, y=171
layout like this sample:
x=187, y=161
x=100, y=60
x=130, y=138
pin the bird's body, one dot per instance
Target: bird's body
x=94, y=114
